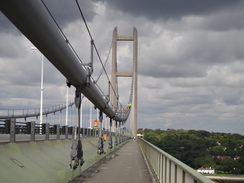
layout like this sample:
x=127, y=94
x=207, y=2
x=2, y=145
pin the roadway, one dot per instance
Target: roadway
x=126, y=164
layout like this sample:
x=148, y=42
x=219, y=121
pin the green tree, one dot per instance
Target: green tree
x=140, y=131
x=199, y=148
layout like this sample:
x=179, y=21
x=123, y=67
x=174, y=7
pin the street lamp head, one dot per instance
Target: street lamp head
x=33, y=48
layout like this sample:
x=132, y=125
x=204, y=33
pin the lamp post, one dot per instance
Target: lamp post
x=42, y=89
x=90, y=115
x=67, y=107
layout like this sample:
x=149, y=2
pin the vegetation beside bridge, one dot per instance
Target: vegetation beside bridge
x=201, y=149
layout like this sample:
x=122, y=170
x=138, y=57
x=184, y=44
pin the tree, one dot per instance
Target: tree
x=140, y=131
x=199, y=148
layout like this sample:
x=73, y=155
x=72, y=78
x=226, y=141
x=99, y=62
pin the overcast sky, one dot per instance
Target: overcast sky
x=191, y=59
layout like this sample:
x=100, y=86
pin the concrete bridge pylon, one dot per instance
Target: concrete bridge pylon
x=134, y=74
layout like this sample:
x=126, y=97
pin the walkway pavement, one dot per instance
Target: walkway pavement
x=126, y=165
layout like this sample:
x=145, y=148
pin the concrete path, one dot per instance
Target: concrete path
x=126, y=165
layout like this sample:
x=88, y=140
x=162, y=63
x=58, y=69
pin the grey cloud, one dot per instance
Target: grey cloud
x=225, y=20
x=10, y=45
x=230, y=97
x=168, y=71
x=6, y=25
x=67, y=11
x=168, y=9
x=196, y=52
x=63, y=12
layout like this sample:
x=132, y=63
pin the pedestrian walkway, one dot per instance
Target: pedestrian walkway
x=127, y=165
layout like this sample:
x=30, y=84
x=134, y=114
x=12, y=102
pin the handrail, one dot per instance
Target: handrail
x=13, y=131
x=168, y=169
x=33, y=114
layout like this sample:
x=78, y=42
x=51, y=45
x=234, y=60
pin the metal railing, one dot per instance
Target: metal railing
x=13, y=131
x=167, y=169
x=34, y=112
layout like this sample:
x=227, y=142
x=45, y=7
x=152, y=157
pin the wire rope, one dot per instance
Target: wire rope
x=66, y=39
x=105, y=63
x=89, y=32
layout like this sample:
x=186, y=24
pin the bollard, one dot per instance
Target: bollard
x=57, y=130
x=32, y=130
x=66, y=131
x=45, y=128
x=12, y=129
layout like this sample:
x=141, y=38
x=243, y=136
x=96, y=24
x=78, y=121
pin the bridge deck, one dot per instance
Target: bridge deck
x=126, y=165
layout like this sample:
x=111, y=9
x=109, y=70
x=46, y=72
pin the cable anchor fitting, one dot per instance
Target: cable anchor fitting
x=100, y=139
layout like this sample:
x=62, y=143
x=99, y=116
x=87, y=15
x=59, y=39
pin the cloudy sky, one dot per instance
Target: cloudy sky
x=191, y=59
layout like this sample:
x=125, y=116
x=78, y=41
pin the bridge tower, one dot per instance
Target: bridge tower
x=134, y=75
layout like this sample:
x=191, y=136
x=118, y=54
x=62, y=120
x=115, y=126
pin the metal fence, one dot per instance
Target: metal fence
x=167, y=169
x=13, y=131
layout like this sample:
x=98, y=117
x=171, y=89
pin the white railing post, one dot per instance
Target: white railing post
x=168, y=169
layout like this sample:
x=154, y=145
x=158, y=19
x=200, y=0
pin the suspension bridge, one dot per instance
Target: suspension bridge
x=36, y=150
